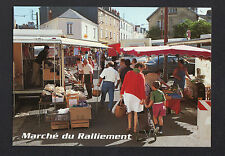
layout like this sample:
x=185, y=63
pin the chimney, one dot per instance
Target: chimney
x=50, y=15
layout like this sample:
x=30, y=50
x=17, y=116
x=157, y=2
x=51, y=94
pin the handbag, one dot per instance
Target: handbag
x=120, y=110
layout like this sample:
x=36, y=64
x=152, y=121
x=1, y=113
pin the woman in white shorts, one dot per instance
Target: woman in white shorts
x=133, y=91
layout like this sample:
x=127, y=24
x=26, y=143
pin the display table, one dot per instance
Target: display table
x=173, y=104
x=172, y=101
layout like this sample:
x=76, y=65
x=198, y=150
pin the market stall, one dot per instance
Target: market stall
x=173, y=96
x=25, y=42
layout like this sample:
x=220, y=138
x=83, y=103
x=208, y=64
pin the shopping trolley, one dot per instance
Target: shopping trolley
x=147, y=127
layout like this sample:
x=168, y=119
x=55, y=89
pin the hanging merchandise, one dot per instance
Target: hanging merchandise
x=76, y=51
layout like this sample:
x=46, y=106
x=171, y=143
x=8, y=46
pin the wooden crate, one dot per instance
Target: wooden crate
x=60, y=125
x=79, y=123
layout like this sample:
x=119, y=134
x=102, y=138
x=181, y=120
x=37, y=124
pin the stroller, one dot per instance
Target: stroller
x=145, y=122
x=146, y=126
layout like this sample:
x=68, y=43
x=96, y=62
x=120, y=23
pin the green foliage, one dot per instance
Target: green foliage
x=154, y=33
x=197, y=28
x=200, y=27
x=181, y=29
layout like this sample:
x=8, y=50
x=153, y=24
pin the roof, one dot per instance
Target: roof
x=153, y=13
x=74, y=15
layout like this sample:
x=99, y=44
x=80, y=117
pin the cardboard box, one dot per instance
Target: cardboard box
x=72, y=100
x=79, y=123
x=80, y=113
x=60, y=125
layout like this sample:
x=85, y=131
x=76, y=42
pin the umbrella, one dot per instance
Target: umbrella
x=168, y=50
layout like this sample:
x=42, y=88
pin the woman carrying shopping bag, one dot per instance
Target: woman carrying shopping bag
x=133, y=92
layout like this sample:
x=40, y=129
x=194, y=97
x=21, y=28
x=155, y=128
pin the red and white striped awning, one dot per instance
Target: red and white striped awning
x=168, y=50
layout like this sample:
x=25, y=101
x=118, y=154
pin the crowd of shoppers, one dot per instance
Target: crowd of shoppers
x=136, y=89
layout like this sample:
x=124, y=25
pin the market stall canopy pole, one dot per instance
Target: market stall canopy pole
x=165, y=77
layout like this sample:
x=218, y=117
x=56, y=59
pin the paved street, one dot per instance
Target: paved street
x=179, y=130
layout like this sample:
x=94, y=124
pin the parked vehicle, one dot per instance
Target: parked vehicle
x=154, y=64
x=143, y=59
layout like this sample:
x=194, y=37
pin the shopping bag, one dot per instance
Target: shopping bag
x=114, y=107
x=120, y=109
x=96, y=91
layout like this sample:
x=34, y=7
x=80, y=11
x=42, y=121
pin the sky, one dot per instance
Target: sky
x=135, y=15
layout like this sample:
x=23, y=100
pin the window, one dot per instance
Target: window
x=101, y=33
x=110, y=35
x=114, y=37
x=117, y=37
x=69, y=28
x=126, y=36
x=106, y=34
x=101, y=16
x=94, y=31
x=158, y=23
x=172, y=10
x=86, y=29
x=121, y=35
x=106, y=19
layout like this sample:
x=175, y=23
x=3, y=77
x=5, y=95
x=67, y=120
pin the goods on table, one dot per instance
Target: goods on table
x=78, y=87
x=70, y=76
x=50, y=87
x=173, y=100
x=52, y=93
x=70, y=91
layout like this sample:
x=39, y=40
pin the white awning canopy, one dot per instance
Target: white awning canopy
x=82, y=43
x=21, y=36
x=30, y=39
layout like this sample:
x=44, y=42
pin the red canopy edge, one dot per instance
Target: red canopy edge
x=115, y=48
x=170, y=51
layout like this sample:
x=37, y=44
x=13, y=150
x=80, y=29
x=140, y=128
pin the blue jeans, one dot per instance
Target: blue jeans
x=108, y=87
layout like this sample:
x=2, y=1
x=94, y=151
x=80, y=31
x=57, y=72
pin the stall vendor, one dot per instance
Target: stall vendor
x=152, y=77
x=179, y=74
x=42, y=56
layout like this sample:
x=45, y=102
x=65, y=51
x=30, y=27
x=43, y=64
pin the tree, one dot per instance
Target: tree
x=181, y=29
x=197, y=28
x=200, y=27
x=154, y=33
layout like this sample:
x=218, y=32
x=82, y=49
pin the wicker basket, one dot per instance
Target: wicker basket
x=96, y=92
